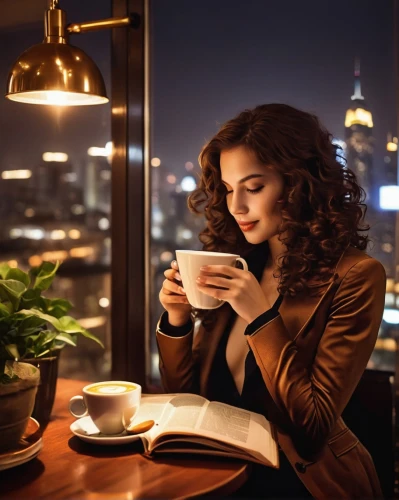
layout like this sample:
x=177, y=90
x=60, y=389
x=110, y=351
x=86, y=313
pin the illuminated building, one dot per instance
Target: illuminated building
x=384, y=230
x=390, y=161
x=359, y=139
x=359, y=154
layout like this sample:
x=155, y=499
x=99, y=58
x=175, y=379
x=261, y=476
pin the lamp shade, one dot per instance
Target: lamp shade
x=56, y=74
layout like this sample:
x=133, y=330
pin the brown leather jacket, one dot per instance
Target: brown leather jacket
x=311, y=358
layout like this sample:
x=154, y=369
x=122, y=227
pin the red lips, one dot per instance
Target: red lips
x=247, y=226
x=246, y=223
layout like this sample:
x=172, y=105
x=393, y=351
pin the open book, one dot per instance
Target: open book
x=187, y=423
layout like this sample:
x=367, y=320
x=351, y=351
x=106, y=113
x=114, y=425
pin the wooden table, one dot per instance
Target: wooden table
x=70, y=468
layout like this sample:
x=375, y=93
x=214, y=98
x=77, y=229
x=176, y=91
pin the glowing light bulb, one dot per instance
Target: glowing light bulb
x=56, y=98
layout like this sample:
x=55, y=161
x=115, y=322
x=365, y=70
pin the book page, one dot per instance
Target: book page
x=247, y=430
x=227, y=422
x=170, y=410
x=187, y=410
x=217, y=421
x=153, y=408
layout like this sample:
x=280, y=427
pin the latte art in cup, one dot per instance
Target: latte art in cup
x=111, y=388
x=111, y=405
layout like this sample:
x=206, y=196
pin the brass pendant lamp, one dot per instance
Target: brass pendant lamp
x=56, y=73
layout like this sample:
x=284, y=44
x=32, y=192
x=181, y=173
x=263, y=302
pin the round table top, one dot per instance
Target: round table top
x=67, y=467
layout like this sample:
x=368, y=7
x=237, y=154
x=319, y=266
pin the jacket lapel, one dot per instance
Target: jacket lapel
x=296, y=312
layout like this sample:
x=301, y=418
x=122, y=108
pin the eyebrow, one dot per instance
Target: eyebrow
x=247, y=178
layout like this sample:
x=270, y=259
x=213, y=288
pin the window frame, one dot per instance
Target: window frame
x=131, y=191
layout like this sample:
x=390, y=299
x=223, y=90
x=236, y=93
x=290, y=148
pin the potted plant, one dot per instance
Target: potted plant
x=34, y=329
x=18, y=387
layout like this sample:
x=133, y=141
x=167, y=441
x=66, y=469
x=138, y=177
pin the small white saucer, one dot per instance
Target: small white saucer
x=85, y=430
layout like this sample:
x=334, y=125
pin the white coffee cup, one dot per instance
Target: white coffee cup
x=111, y=404
x=190, y=261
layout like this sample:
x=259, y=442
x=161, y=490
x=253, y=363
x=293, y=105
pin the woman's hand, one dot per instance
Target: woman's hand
x=237, y=287
x=173, y=297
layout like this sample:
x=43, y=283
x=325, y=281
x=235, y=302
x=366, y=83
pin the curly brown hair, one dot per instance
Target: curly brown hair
x=322, y=209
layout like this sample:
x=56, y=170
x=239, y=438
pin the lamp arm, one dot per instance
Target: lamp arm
x=132, y=20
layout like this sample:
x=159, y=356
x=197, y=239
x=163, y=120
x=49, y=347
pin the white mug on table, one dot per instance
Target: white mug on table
x=111, y=404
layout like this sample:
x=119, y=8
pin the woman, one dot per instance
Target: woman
x=297, y=329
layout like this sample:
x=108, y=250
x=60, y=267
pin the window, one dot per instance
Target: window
x=211, y=60
x=55, y=186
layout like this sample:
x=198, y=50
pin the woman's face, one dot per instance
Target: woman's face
x=253, y=194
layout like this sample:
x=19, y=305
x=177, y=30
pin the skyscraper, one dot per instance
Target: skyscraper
x=359, y=154
x=359, y=141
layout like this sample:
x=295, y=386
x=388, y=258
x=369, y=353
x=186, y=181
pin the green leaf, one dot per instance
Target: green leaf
x=38, y=314
x=70, y=325
x=5, y=309
x=30, y=298
x=57, y=307
x=44, y=275
x=29, y=350
x=68, y=339
x=4, y=268
x=44, y=303
x=18, y=275
x=46, y=338
x=13, y=289
x=12, y=350
x=66, y=324
x=28, y=322
x=41, y=354
x=57, y=312
x=32, y=338
x=29, y=332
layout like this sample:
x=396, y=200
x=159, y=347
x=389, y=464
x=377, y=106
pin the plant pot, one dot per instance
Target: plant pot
x=46, y=391
x=16, y=404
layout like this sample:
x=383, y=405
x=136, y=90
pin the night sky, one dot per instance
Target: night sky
x=212, y=59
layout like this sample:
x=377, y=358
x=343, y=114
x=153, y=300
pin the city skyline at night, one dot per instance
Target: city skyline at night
x=211, y=60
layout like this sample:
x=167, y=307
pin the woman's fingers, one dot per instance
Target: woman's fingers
x=172, y=293
x=172, y=274
x=227, y=271
x=170, y=287
x=216, y=293
x=214, y=281
x=172, y=298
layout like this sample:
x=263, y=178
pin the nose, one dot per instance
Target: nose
x=236, y=204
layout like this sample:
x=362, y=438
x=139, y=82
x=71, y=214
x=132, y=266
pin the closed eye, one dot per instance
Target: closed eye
x=257, y=190
x=252, y=191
